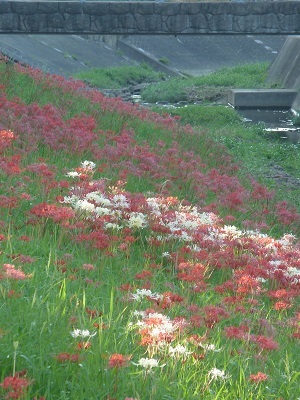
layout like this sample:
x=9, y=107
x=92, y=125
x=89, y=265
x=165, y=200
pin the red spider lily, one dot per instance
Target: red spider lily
x=58, y=214
x=10, y=272
x=263, y=342
x=213, y=315
x=170, y=299
x=16, y=385
x=13, y=294
x=118, y=361
x=260, y=192
x=41, y=169
x=6, y=137
x=237, y=332
x=11, y=164
x=8, y=202
x=281, y=305
x=259, y=377
x=296, y=334
x=144, y=275
x=98, y=238
x=286, y=214
x=247, y=285
x=93, y=313
x=25, y=238
x=88, y=267
x=100, y=326
x=84, y=345
x=192, y=272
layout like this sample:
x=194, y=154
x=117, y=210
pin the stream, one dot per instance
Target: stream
x=278, y=123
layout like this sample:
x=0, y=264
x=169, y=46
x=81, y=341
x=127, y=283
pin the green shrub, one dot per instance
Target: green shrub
x=198, y=115
x=177, y=89
x=118, y=77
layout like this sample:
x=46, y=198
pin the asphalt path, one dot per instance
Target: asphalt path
x=191, y=55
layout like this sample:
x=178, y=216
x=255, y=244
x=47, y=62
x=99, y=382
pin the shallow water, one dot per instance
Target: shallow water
x=277, y=122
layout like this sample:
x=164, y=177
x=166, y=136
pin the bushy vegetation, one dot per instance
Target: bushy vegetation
x=119, y=77
x=137, y=260
x=177, y=89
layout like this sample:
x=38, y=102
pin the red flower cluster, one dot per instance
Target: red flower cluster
x=11, y=272
x=259, y=377
x=57, y=213
x=16, y=385
x=118, y=361
x=6, y=137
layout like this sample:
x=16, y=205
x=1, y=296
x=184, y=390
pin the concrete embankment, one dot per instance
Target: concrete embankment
x=262, y=98
x=285, y=71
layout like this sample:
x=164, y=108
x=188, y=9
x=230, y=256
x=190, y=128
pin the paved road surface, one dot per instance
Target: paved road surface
x=192, y=55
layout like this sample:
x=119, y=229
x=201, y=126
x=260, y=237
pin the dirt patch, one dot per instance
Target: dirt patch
x=281, y=177
x=210, y=94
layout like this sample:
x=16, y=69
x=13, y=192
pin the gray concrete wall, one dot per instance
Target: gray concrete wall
x=285, y=71
x=261, y=98
x=114, y=18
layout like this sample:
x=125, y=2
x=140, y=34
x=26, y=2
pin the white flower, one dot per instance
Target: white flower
x=83, y=333
x=166, y=254
x=262, y=280
x=275, y=263
x=141, y=293
x=70, y=199
x=120, y=201
x=137, y=220
x=85, y=205
x=111, y=225
x=73, y=174
x=287, y=240
x=148, y=364
x=210, y=347
x=178, y=351
x=137, y=313
x=98, y=198
x=293, y=271
x=88, y=165
x=103, y=211
x=216, y=373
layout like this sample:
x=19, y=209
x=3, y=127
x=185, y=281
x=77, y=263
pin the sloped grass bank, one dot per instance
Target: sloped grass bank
x=272, y=161
x=180, y=89
x=119, y=77
x=131, y=267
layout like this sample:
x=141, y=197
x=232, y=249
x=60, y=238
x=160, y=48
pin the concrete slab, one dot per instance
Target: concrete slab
x=63, y=55
x=261, y=98
x=203, y=54
x=188, y=55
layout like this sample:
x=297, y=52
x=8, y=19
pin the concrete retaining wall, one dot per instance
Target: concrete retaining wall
x=114, y=18
x=285, y=71
x=262, y=98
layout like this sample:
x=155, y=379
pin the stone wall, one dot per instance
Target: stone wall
x=119, y=18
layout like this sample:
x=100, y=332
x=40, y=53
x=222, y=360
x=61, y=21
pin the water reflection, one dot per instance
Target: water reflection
x=278, y=122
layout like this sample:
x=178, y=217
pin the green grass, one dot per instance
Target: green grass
x=254, y=149
x=119, y=77
x=177, y=89
x=73, y=283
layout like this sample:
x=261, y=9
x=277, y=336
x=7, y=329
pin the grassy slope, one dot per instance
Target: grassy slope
x=72, y=282
x=255, y=152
